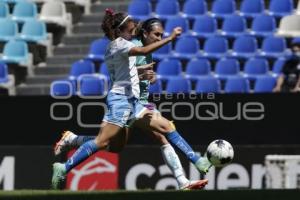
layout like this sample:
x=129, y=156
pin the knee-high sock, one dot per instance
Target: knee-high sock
x=82, y=153
x=176, y=140
x=172, y=160
x=81, y=139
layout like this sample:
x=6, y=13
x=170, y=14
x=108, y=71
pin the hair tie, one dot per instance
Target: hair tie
x=109, y=11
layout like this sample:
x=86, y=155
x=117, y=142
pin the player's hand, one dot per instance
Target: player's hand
x=146, y=67
x=176, y=32
x=150, y=75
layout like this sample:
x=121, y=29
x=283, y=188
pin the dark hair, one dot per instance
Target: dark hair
x=147, y=26
x=111, y=24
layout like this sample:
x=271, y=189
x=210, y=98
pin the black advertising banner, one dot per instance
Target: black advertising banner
x=143, y=168
x=137, y=167
x=25, y=167
x=242, y=119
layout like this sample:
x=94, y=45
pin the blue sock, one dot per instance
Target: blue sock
x=175, y=139
x=81, y=154
x=81, y=139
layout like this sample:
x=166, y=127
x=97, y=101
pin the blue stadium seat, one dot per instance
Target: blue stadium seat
x=237, y=84
x=169, y=68
x=178, y=85
x=156, y=87
x=166, y=8
x=274, y=47
x=140, y=10
x=278, y=66
x=3, y=73
x=7, y=80
x=223, y=8
x=194, y=8
x=296, y=39
x=62, y=88
x=255, y=67
x=186, y=48
x=92, y=85
x=252, y=8
x=34, y=31
x=23, y=11
x=4, y=10
x=8, y=30
x=226, y=67
x=176, y=21
x=279, y=8
x=233, y=26
x=103, y=70
x=82, y=67
x=97, y=49
x=15, y=52
x=264, y=84
x=215, y=48
x=263, y=26
x=196, y=68
x=204, y=26
x=244, y=47
x=208, y=84
x=163, y=52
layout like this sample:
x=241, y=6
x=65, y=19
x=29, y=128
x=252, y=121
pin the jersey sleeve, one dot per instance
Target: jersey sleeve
x=125, y=47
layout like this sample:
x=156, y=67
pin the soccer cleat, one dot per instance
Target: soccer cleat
x=203, y=164
x=195, y=185
x=63, y=143
x=58, y=176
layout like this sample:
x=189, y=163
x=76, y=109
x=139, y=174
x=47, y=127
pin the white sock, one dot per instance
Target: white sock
x=173, y=162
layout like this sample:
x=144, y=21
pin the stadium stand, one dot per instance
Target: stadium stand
x=270, y=24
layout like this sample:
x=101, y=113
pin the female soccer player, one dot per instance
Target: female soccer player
x=123, y=99
x=150, y=31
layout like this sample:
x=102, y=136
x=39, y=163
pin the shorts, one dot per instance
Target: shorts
x=122, y=109
x=147, y=105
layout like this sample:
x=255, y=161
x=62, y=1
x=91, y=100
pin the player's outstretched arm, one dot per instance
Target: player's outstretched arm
x=135, y=51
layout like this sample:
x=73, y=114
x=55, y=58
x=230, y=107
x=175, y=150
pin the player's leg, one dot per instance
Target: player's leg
x=173, y=162
x=155, y=122
x=116, y=117
x=70, y=140
x=83, y=152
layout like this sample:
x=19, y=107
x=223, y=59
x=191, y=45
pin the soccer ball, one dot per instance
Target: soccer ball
x=219, y=153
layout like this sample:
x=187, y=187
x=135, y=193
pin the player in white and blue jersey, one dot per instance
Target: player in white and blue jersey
x=123, y=99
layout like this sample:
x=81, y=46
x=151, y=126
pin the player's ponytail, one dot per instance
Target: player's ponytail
x=114, y=23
